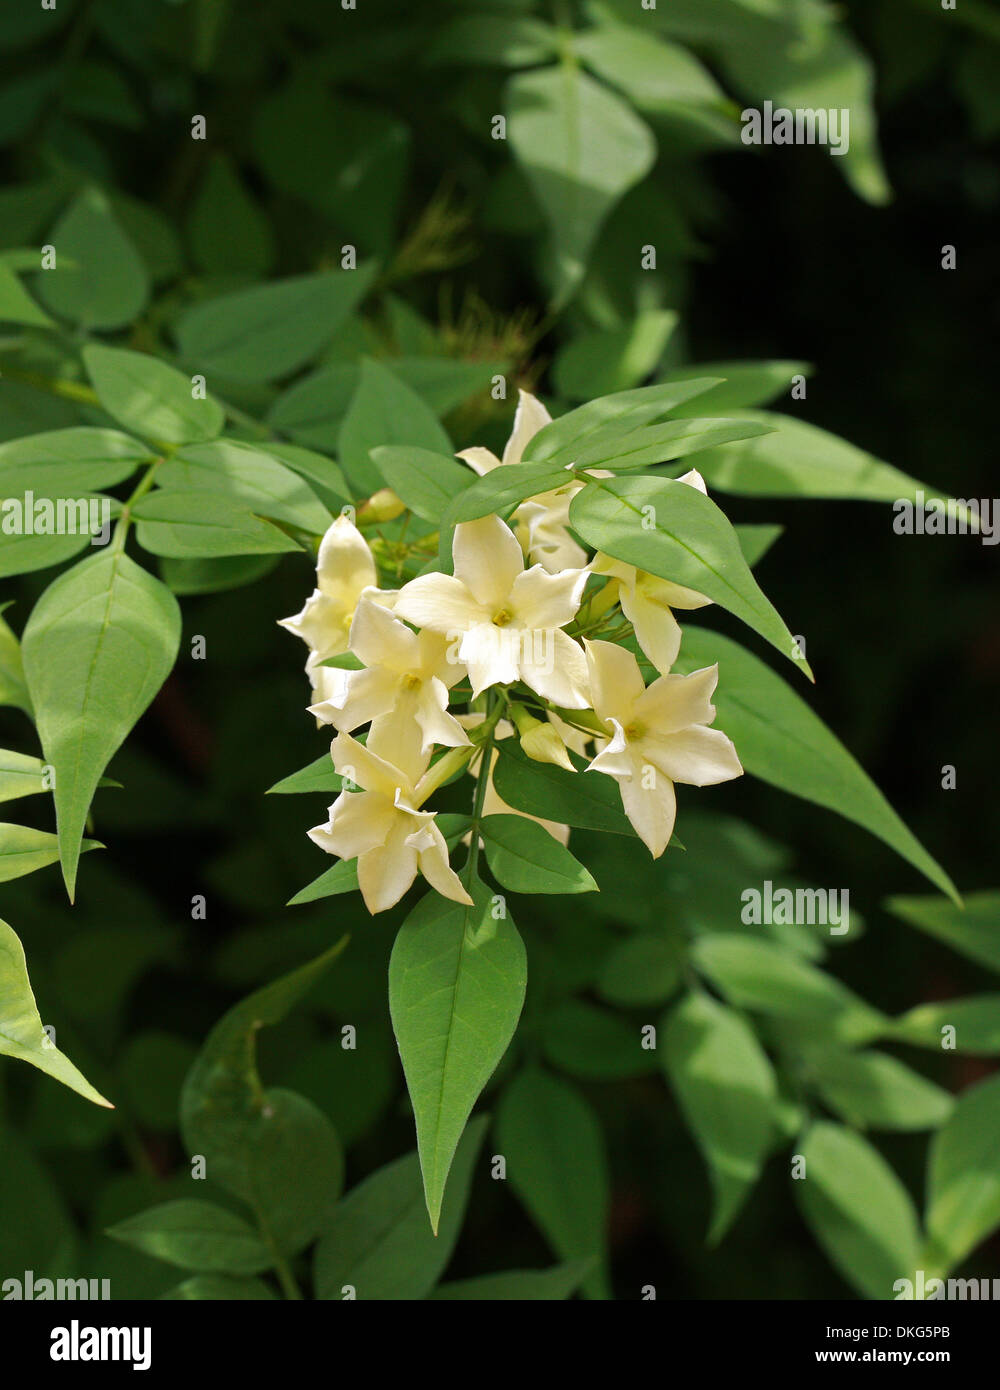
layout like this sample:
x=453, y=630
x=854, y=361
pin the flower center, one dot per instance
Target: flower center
x=634, y=731
x=502, y=618
x=411, y=683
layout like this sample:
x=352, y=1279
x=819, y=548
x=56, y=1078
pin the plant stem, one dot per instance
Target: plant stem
x=482, y=782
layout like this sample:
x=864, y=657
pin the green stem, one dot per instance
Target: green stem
x=125, y=520
x=482, y=782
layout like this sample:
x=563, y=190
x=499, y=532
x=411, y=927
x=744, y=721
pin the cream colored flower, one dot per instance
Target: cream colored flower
x=382, y=826
x=406, y=680
x=505, y=621
x=541, y=524
x=660, y=736
x=647, y=600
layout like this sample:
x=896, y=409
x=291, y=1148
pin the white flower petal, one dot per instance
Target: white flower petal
x=529, y=418
x=652, y=809
x=357, y=697
x=488, y=558
x=675, y=702
x=481, y=461
x=542, y=600
x=344, y=564
x=656, y=629
x=698, y=756
x=379, y=639
x=385, y=873
x=436, y=724
x=440, y=602
x=358, y=821
x=432, y=857
x=556, y=668
x=615, y=680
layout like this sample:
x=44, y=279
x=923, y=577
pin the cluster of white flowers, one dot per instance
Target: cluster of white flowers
x=498, y=624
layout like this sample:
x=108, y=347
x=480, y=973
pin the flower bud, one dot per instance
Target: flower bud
x=383, y=505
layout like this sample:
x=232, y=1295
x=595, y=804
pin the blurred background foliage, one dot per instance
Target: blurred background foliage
x=373, y=127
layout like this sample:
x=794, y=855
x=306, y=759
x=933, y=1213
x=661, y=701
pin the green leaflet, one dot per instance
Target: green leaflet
x=742, y=384
x=976, y=1022
x=250, y=475
x=525, y=858
x=151, y=398
x=857, y=1209
x=384, y=411
x=668, y=528
x=971, y=926
x=21, y=1031
x=23, y=850
x=194, y=524
x=99, y=644
x=378, y=1242
x=274, y=1149
x=765, y=978
x=556, y=1164
x=727, y=1090
x=13, y=690
x=16, y=305
x=644, y=969
x=63, y=462
x=963, y=1185
x=427, y=482
x=457, y=979
x=663, y=442
x=588, y=800
x=500, y=490
x=780, y=739
x=594, y=1044
x=198, y=1235
x=266, y=332
x=225, y=228
x=613, y=359
x=20, y=775
x=872, y=1089
x=801, y=460
x=602, y=421
x=219, y=1287
x=318, y=776
x=581, y=148
x=107, y=284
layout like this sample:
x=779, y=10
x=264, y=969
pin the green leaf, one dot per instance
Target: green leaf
x=427, y=482
x=976, y=1022
x=23, y=850
x=62, y=462
x=322, y=473
x=655, y=75
x=194, y=523
x=556, y=1165
x=594, y=1044
x=501, y=489
x=582, y=149
x=963, y=1183
x=591, y=802
x=765, y=978
x=756, y=540
x=195, y=1234
x=383, y=411
x=216, y=575
x=670, y=529
x=269, y=331
x=743, y=384
x=490, y=40
x=220, y=1288
x=608, y=418
x=525, y=858
x=226, y=230
x=781, y=740
x=800, y=460
x=971, y=927
x=871, y=1089
x=249, y=475
x=16, y=305
x=341, y=878
x=100, y=642
x=151, y=398
x=457, y=978
x=660, y=443
x=726, y=1087
x=518, y=1285
x=246, y=1134
x=858, y=1210
x=613, y=359
x=644, y=969
x=20, y=775
x=13, y=689
x=379, y=1243
x=23, y=554
x=319, y=776
x=21, y=1031
x=107, y=285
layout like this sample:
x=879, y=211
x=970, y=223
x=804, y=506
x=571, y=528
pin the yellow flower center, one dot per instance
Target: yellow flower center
x=411, y=683
x=502, y=618
x=635, y=731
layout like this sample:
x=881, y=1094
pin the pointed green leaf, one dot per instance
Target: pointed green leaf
x=100, y=642
x=457, y=979
x=525, y=858
x=63, y=462
x=107, y=285
x=192, y=524
x=667, y=528
x=726, y=1087
x=517, y=1285
x=150, y=397
x=971, y=926
x=384, y=411
x=21, y=1031
x=195, y=1234
x=963, y=1187
x=249, y=475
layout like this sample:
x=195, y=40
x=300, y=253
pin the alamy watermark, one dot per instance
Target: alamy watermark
x=946, y=516
x=804, y=126
x=29, y=1288
x=826, y=907
x=30, y=515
